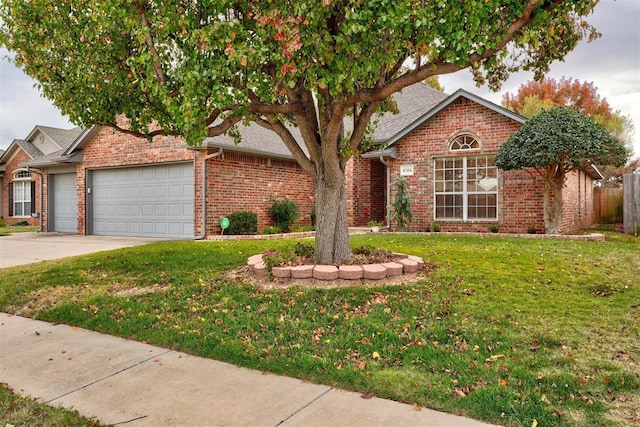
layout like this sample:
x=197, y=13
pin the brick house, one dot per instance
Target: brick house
x=100, y=181
x=20, y=190
x=447, y=157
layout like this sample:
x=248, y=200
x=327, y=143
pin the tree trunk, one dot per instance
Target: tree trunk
x=553, y=202
x=332, y=229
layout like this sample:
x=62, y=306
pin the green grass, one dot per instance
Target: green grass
x=503, y=330
x=5, y=231
x=16, y=410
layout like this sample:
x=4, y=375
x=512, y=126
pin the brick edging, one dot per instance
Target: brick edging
x=407, y=265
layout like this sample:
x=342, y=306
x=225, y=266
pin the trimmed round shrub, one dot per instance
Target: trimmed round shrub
x=242, y=222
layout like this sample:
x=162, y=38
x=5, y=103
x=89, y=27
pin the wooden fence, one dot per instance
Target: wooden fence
x=631, y=186
x=608, y=205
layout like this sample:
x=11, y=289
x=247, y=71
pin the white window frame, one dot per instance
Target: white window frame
x=22, y=184
x=464, y=191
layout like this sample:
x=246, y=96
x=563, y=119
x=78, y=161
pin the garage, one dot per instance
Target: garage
x=148, y=201
x=64, y=203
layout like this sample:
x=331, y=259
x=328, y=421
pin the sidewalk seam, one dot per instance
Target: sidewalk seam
x=108, y=376
x=304, y=407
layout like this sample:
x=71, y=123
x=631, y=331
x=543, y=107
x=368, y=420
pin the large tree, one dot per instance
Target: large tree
x=198, y=68
x=553, y=143
x=535, y=96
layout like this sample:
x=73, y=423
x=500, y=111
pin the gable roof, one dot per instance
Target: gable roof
x=62, y=138
x=460, y=93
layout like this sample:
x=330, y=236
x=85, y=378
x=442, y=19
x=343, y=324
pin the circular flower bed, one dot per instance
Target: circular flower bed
x=398, y=265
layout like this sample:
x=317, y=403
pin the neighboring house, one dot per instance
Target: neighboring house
x=107, y=182
x=20, y=189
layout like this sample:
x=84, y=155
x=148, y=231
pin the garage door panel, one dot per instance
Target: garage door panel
x=65, y=203
x=154, y=201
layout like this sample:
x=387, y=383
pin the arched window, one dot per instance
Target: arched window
x=21, y=194
x=464, y=142
x=21, y=174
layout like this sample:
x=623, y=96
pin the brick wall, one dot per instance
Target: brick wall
x=367, y=198
x=110, y=148
x=11, y=166
x=519, y=194
x=240, y=182
x=577, y=194
x=234, y=181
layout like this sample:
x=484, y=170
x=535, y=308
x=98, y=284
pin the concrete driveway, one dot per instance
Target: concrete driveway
x=28, y=248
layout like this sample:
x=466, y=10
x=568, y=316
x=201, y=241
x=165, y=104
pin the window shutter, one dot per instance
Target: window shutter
x=11, y=199
x=33, y=197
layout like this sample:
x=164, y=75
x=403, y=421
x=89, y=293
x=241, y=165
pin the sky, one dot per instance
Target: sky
x=611, y=63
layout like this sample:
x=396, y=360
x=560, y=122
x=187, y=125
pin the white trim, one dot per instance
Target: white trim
x=465, y=193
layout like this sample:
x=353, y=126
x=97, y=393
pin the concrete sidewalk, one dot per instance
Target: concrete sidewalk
x=27, y=248
x=119, y=381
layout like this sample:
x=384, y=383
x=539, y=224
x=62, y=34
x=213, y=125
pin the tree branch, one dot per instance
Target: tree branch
x=146, y=26
x=361, y=124
x=290, y=142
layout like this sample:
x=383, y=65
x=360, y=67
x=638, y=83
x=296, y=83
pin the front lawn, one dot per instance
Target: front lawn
x=6, y=230
x=16, y=410
x=503, y=330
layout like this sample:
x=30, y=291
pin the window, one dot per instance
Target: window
x=466, y=188
x=21, y=192
x=464, y=142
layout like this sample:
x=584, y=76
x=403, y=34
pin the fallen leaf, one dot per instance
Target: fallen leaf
x=623, y=398
x=534, y=423
x=459, y=392
x=494, y=358
x=367, y=396
x=417, y=407
x=375, y=355
x=544, y=399
x=266, y=373
x=362, y=365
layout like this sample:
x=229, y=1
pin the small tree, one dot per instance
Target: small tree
x=284, y=213
x=402, y=203
x=553, y=143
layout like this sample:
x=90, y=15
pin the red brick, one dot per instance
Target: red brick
x=302, y=272
x=325, y=272
x=374, y=271
x=350, y=272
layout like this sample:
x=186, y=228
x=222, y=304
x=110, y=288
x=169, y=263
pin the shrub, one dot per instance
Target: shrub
x=304, y=228
x=531, y=229
x=435, y=227
x=494, y=228
x=402, y=203
x=243, y=222
x=272, y=229
x=2, y=223
x=284, y=213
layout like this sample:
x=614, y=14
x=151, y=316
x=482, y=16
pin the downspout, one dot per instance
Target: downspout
x=203, y=234
x=41, y=195
x=387, y=218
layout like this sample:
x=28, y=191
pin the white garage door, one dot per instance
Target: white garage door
x=150, y=201
x=65, y=203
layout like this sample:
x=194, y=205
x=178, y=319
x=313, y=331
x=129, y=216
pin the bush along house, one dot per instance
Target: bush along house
x=105, y=182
